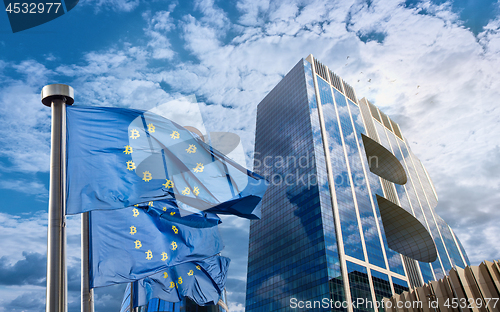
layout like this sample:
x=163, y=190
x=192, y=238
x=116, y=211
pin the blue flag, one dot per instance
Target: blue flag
x=121, y=157
x=125, y=307
x=167, y=209
x=132, y=243
x=201, y=281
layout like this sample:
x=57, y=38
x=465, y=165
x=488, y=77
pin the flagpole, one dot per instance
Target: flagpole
x=87, y=293
x=57, y=96
x=131, y=306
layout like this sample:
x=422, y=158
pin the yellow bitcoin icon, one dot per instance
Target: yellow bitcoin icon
x=135, y=211
x=165, y=274
x=134, y=134
x=172, y=213
x=164, y=256
x=172, y=284
x=164, y=208
x=138, y=244
x=191, y=149
x=133, y=230
x=179, y=280
x=150, y=204
x=190, y=273
x=175, y=229
x=147, y=176
x=128, y=150
x=149, y=255
x=168, y=184
x=198, y=267
x=199, y=168
x=151, y=128
x=174, y=135
x=196, y=191
x=174, y=245
x=186, y=191
x=130, y=165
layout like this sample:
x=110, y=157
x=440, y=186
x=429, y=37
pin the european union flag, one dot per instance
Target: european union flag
x=201, y=281
x=121, y=157
x=168, y=210
x=132, y=243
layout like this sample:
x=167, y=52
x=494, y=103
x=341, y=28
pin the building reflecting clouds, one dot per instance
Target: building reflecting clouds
x=350, y=211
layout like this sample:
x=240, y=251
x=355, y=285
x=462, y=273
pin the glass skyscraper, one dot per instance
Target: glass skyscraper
x=349, y=214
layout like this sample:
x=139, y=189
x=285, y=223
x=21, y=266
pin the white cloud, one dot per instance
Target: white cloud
x=252, y=11
x=200, y=39
x=158, y=26
x=29, y=233
x=25, y=131
x=111, y=61
x=212, y=14
x=115, y=78
x=32, y=239
x=29, y=187
x=115, y=5
x=34, y=72
x=236, y=307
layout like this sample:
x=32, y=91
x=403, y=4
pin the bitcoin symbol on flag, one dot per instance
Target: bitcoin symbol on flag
x=138, y=244
x=147, y=176
x=196, y=191
x=190, y=273
x=186, y=191
x=164, y=208
x=199, y=168
x=130, y=165
x=172, y=213
x=175, y=229
x=165, y=274
x=172, y=284
x=168, y=184
x=174, y=245
x=174, y=135
x=136, y=212
x=191, y=149
x=164, y=256
x=198, y=267
x=133, y=230
x=128, y=150
x=180, y=280
x=134, y=134
x=151, y=128
x=149, y=255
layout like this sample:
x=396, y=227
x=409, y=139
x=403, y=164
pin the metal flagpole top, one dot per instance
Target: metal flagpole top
x=57, y=91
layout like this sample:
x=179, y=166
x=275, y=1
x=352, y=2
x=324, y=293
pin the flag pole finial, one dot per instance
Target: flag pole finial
x=57, y=92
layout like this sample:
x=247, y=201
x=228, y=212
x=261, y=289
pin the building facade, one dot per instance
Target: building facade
x=349, y=214
x=475, y=288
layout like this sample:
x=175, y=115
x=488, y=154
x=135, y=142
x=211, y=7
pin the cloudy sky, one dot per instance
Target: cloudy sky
x=433, y=66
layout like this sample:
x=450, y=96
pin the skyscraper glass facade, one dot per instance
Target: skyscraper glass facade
x=321, y=235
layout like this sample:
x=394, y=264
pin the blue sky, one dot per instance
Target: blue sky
x=430, y=65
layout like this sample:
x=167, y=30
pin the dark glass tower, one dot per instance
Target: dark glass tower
x=349, y=213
